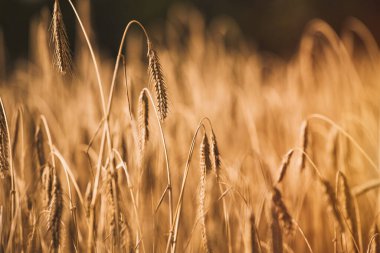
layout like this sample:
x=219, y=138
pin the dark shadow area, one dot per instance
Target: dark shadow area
x=269, y=25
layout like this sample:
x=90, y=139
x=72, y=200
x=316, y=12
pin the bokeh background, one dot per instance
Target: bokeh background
x=269, y=25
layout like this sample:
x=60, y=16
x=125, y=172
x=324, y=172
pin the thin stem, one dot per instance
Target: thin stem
x=169, y=186
x=72, y=207
x=303, y=236
x=13, y=191
x=130, y=187
x=119, y=54
x=180, y=199
x=92, y=56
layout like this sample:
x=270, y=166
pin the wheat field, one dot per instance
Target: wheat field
x=195, y=146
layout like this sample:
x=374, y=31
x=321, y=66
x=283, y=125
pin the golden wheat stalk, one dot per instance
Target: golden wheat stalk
x=55, y=212
x=205, y=166
x=215, y=153
x=157, y=77
x=4, y=144
x=346, y=203
x=143, y=122
x=252, y=245
x=332, y=202
x=61, y=55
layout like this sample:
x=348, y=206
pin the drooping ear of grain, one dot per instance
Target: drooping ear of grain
x=332, y=202
x=304, y=144
x=284, y=165
x=281, y=210
x=158, y=80
x=55, y=213
x=215, y=153
x=61, y=54
x=275, y=234
x=347, y=208
x=4, y=144
x=143, y=122
x=205, y=165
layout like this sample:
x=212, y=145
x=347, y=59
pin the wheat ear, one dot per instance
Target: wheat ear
x=158, y=80
x=275, y=245
x=55, y=212
x=205, y=165
x=4, y=145
x=143, y=122
x=332, y=203
x=61, y=56
x=215, y=154
x=281, y=210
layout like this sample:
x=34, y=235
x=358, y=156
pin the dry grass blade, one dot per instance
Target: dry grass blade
x=62, y=56
x=4, y=144
x=158, y=80
x=143, y=122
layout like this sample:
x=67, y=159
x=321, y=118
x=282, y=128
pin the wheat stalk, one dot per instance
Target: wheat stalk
x=143, y=122
x=346, y=203
x=61, y=54
x=215, y=154
x=4, y=144
x=158, y=80
x=55, y=212
x=252, y=245
x=205, y=165
x=332, y=202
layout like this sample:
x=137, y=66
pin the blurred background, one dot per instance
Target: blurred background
x=268, y=25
